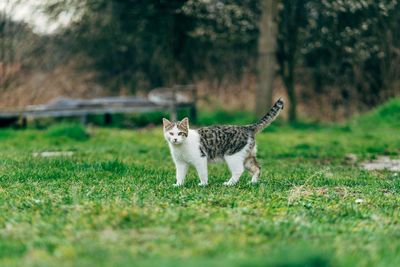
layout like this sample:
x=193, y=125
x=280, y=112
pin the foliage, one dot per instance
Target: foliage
x=387, y=115
x=220, y=116
x=145, y=44
x=351, y=46
x=150, y=119
x=72, y=131
x=138, y=45
x=347, y=49
x=112, y=202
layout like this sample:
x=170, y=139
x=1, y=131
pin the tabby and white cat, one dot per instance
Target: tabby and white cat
x=233, y=143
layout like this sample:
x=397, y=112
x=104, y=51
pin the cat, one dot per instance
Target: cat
x=233, y=143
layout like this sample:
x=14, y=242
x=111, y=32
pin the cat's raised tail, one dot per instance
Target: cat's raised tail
x=270, y=116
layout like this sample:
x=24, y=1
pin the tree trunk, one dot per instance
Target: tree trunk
x=290, y=23
x=292, y=99
x=266, y=56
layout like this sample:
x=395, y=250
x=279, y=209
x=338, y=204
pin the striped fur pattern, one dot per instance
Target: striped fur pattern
x=219, y=140
x=233, y=143
x=270, y=116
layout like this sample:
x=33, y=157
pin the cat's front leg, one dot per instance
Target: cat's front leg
x=201, y=167
x=181, y=168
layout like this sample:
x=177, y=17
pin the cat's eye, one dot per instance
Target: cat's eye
x=171, y=133
x=180, y=133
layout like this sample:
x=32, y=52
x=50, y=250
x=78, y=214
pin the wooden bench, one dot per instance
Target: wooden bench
x=159, y=99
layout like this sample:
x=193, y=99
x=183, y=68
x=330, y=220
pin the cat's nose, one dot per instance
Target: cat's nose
x=175, y=139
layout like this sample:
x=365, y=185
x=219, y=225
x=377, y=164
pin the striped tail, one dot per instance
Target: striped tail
x=270, y=116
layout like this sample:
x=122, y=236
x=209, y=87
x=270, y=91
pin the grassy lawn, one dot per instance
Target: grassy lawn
x=112, y=202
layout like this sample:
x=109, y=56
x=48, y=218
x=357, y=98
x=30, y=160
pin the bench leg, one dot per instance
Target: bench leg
x=84, y=119
x=173, y=114
x=193, y=114
x=24, y=122
x=107, y=119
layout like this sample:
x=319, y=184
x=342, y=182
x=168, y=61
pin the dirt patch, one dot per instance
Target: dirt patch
x=381, y=163
x=53, y=154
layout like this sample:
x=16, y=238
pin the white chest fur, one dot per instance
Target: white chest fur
x=188, y=151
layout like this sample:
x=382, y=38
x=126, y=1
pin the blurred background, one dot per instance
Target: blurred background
x=330, y=59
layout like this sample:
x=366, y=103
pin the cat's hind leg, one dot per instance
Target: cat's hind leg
x=235, y=164
x=252, y=166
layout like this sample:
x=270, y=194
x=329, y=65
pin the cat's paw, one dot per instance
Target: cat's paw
x=252, y=182
x=202, y=184
x=229, y=183
x=177, y=184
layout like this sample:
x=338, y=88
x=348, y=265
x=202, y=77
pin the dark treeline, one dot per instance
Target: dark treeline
x=337, y=53
x=144, y=44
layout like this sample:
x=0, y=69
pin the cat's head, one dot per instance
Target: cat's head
x=176, y=132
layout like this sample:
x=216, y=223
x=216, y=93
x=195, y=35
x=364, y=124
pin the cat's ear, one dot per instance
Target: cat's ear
x=166, y=122
x=185, y=123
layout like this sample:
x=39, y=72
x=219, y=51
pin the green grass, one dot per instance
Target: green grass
x=112, y=202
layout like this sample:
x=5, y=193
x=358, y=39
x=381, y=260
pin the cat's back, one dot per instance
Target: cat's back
x=225, y=130
x=216, y=141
